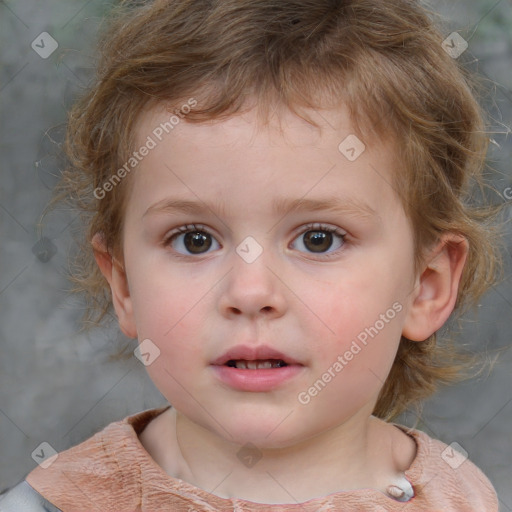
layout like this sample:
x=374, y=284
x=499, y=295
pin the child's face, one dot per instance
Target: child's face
x=308, y=297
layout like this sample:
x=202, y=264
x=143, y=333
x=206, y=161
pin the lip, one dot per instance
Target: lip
x=256, y=380
x=261, y=380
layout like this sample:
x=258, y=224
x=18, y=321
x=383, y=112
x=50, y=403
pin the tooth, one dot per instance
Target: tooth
x=257, y=365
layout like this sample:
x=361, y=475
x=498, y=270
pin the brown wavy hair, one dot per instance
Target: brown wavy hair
x=383, y=60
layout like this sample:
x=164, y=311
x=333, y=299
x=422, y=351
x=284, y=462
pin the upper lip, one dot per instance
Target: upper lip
x=252, y=353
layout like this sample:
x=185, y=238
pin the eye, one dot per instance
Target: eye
x=190, y=240
x=319, y=238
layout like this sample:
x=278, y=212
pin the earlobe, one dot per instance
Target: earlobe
x=115, y=274
x=436, y=288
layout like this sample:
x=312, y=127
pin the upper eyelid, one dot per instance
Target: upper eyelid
x=320, y=226
x=187, y=228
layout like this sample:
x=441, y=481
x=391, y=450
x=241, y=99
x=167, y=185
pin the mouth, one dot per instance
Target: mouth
x=259, y=368
x=255, y=357
x=259, y=364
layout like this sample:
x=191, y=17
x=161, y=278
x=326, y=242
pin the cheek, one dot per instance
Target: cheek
x=360, y=320
x=174, y=321
x=163, y=301
x=181, y=354
x=342, y=308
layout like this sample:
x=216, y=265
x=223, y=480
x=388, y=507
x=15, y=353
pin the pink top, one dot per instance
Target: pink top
x=112, y=471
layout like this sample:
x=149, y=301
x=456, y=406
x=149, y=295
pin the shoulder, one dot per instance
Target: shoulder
x=445, y=477
x=100, y=472
x=25, y=498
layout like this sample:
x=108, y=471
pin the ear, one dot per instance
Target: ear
x=115, y=274
x=436, y=288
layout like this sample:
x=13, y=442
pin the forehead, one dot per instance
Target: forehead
x=252, y=126
x=284, y=157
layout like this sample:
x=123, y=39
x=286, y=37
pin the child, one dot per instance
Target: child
x=277, y=209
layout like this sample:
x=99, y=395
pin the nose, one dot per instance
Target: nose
x=253, y=290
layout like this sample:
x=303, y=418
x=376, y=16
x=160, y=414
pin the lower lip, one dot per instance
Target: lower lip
x=256, y=380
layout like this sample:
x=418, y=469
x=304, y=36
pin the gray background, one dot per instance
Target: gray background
x=59, y=385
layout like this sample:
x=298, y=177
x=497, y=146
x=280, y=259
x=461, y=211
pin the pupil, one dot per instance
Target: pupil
x=195, y=242
x=320, y=240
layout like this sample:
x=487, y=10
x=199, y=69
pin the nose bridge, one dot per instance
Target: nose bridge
x=252, y=286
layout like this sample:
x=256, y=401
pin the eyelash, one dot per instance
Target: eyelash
x=318, y=226
x=309, y=227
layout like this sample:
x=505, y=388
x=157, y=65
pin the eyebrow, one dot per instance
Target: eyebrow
x=338, y=205
x=280, y=206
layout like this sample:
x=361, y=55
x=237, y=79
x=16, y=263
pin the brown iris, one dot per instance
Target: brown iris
x=197, y=242
x=319, y=241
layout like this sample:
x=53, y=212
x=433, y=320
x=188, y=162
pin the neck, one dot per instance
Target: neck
x=351, y=456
